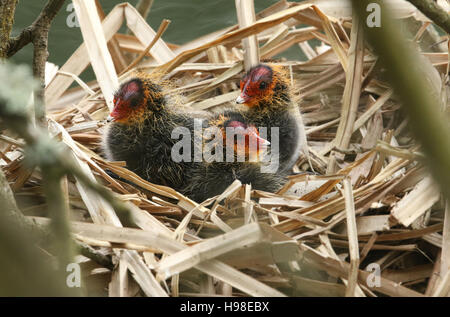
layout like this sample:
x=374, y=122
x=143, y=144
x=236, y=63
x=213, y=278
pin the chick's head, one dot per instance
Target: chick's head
x=264, y=84
x=135, y=100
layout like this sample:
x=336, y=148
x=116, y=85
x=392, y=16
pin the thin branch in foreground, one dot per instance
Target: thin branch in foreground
x=42, y=21
x=48, y=155
x=434, y=12
x=37, y=33
x=420, y=100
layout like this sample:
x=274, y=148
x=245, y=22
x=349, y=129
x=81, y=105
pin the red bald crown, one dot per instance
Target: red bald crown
x=126, y=100
x=256, y=85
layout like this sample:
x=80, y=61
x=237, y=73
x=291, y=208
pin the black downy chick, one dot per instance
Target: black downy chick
x=140, y=132
x=246, y=165
x=266, y=91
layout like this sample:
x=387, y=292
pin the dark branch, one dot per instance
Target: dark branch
x=18, y=42
x=42, y=21
x=37, y=33
x=40, y=55
x=434, y=12
x=95, y=255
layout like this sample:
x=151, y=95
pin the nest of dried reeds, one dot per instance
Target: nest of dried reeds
x=370, y=222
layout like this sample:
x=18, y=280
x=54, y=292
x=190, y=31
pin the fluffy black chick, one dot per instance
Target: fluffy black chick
x=238, y=155
x=266, y=91
x=140, y=130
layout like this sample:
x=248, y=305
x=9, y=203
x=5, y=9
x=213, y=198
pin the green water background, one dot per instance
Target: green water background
x=190, y=19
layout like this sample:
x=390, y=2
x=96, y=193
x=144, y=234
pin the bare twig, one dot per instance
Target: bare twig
x=43, y=21
x=37, y=33
x=434, y=12
x=94, y=255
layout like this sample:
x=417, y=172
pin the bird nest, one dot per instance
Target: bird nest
x=369, y=221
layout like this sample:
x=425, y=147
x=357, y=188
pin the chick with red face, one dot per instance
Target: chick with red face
x=140, y=130
x=266, y=91
x=140, y=133
x=212, y=178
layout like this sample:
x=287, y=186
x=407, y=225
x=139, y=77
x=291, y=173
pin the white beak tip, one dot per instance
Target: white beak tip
x=264, y=143
x=110, y=119
x=240, y=100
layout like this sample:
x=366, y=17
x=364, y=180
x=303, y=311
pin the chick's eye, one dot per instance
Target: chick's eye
x=262, y=85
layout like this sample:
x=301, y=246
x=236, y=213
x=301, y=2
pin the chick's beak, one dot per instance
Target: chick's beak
x=240, y=100
x=243, y=98
x=114, y=113
x=262, y=143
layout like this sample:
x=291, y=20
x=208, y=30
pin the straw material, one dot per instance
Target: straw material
x=376, y=207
